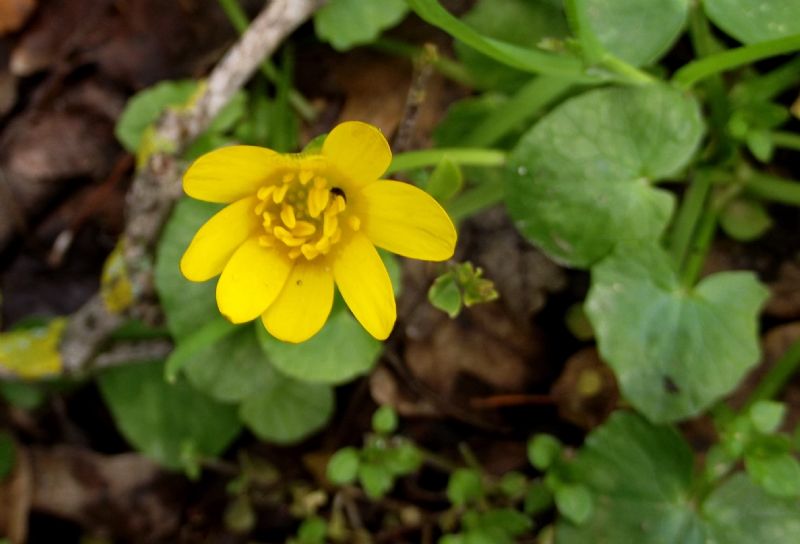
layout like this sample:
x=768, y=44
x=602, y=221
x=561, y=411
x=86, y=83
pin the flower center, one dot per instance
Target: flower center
x=303, y=213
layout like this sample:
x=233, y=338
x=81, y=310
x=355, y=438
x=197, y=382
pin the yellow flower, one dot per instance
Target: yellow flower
x=295, y=224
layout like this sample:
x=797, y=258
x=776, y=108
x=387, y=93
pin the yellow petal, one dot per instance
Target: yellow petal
x=303, y=305
x=251, y=281
x=365, y=285
x=406, y=220
x=218, y=238
x=358, y=151
x=230, y=173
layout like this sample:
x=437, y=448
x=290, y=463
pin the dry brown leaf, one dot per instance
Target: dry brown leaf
x=14, y=13
x=586, y=392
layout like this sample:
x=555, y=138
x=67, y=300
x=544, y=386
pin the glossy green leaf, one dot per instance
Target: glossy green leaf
x=520, y=22
x=341, y=351
x=445, y=294
x=287, y=410
x=543, y=450
x=637, y=32
x=195, y=343
x=745, y=220
x=384, y=420
x=767, y=415
x=739, y=512
x=640, y=476
x=343, y=466
x=751, y=21
x=777, y=473
x=163, y=420
x=574, y=502
x=347, y=23
x=465, y=486
x=582, y=178
x=188, y=306
x=232, y=368
x=674, y=351
x=446, y=181
x=375, y=478
x=23, y=395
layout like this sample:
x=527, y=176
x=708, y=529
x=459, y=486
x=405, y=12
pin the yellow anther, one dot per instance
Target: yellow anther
x=309, y=251
x=280, y=194
x=287, y=216
x=354, y=222
x=264, y=241
x=286, y=237
x=317, y=200
x=264, y=192
x=294, y=253
x=287, y=178
x=336, y=236
x=323, y=245
x=267, y=219
x=320, y=183
x=330, y=224
x=260, y=208
x=303, y=228
x=339, y=204
x=305, y=176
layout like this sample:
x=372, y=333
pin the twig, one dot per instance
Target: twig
x=157, y=185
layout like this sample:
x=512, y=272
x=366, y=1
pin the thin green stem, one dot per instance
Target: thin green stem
x=445, y=66
x=431, y=157
x=777, y=377
x=591, y=48
x=717, y=63
x=238, y=18
x=473, y=200
x=704, y=235
x=769, y=85
x=630, y=73
x=529, y=100
x=788, y=140
x=773, y=188
x=688, y=217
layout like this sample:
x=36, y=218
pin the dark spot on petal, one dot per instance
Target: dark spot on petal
x=299, y=283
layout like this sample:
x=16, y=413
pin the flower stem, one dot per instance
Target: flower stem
x=772, y=188
x=777, y=377
x=475, y=199
x=691, y=209
x=530, y=99
x=788, y=140
x=447, y=67
x=238, y=18
x=412, y=160
x=717, y=63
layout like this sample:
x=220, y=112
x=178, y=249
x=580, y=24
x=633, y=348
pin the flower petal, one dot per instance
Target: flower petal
x=408, y=221
x=230, y=173
x=365, y=285
x=303, y=305
x=358, y=151
x=251, y=281
x=218, y=238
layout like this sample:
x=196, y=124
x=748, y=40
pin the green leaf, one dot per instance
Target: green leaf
x=543, y=450
x=402, y=459
x=287, y=410
x=745, y=220
x=376, y=479
x=445, y=294
x=574, y=502
x=750, y=22
x=232, y=368
x=519, y=22
x=581, y=179
x=739, y=512
x=640, y=476
x=312, y=531
x=767, y=415
x=341, y=351
x=445, y=181
x=384, y=420
x=160, y=419
x=463, y=116
x=513, y=484
x=7, y=455
x=674, y=351
x=522, y=58
x=777, y=473
x=188, y=306
x=465, y=486
x=202, y=340
x=23, y=395
x=640, y=32
x=506, y=520
x=538, y=498
x=145, y=107
x=347, y=23
x=343, y=466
